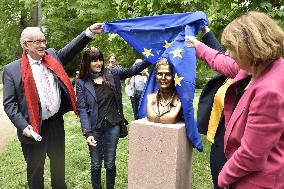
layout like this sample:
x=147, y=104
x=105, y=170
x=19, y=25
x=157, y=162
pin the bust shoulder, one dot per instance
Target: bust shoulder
x=152, y=98
x=176, y=101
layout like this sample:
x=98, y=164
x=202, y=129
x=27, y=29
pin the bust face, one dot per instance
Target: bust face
x=164, y=76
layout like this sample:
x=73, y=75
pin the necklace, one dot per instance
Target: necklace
x=158, y=116
x=166, y=102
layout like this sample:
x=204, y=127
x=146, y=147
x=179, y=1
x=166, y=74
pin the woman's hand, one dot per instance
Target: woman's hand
x=193, y=42
x=91, y=141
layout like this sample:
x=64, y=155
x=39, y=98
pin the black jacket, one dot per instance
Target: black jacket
x=207, y=95
x=206, y=101
x=86, y=96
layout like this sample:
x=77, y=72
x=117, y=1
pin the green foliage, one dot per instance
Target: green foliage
x=274, y=8
x=203, y=74
x=13, y=18
x=65, y=19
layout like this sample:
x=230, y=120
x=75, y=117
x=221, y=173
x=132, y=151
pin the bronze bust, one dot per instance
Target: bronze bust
x=164, y=106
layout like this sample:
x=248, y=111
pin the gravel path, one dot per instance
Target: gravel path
x=7, y=130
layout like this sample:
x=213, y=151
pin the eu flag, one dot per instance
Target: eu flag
x=164, y=36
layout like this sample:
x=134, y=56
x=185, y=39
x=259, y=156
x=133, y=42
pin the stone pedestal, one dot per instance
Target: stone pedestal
x=160, y=156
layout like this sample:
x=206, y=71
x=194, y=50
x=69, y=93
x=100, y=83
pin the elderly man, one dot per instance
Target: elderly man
x=37, y=93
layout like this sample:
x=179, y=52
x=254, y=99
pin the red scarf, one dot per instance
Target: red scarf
x=30, y=90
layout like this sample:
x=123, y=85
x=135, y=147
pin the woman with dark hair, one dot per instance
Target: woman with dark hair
x=99, y=102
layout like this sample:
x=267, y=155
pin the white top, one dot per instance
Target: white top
x=37, y=70
x=138, y=81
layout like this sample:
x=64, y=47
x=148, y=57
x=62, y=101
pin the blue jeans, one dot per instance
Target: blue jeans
x=107, y=140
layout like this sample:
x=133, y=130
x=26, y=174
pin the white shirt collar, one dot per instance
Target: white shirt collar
x=32, y=61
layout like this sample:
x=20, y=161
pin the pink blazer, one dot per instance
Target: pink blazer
x=254, y=137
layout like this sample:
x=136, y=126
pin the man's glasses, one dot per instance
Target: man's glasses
x=38, y=42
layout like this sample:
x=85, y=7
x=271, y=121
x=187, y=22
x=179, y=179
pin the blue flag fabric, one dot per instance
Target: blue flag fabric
x=164, y=36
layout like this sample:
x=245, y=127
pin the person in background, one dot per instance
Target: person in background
x=37, y=92
x=99, y=102
x=112, y=61
x=134, y=87
x=253, y=108
x=76, y=77
x=210, y=116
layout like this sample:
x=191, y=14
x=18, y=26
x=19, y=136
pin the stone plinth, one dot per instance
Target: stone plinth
x=160, y=156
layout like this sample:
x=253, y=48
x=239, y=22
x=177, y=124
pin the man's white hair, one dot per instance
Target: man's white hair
x=26, y=34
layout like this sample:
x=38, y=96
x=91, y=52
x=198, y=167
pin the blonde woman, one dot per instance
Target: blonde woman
x=254, y=103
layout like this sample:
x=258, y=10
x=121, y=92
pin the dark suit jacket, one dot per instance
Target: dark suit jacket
x=207, y=95
x=86, y=95
x=14, y=100
x=206, y=102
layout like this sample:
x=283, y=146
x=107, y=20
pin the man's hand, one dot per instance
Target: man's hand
x=26, y=131
x=91, y=141
x=96, y=28
x=127, y=81
x=193, y=42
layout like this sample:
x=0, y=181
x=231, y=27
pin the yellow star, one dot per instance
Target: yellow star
x=178, y=80
x=167, y=44
x=147, y=52
x=177, y=52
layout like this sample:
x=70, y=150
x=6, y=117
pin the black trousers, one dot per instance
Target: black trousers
x=217, y=155
x=52, y=145
x=135, y=104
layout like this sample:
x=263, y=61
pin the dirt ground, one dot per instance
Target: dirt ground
x=7, y=130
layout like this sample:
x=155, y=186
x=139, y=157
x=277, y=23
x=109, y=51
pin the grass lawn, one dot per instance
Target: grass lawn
x=13, y=167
